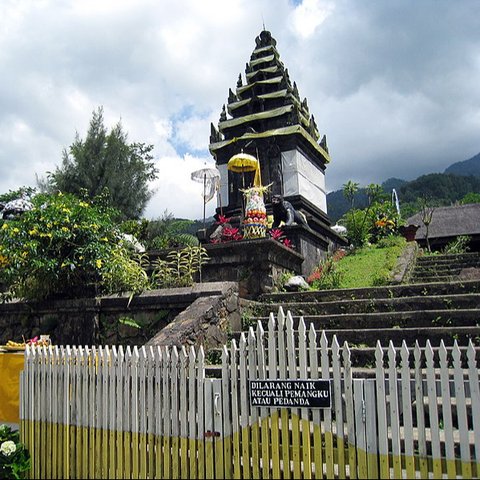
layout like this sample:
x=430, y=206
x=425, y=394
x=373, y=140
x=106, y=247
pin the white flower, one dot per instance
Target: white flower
x=8, y=447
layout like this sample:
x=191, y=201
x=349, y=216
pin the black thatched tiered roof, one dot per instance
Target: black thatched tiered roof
x=267, y=104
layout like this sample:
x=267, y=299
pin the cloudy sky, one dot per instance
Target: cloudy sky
x=395, y=85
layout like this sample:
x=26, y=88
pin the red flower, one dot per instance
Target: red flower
x=231, y=233
x=315, y=275
x=222, y=219
x=276, y=233
x=339, y=254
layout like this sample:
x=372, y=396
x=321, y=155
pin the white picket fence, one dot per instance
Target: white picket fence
x=101, y=412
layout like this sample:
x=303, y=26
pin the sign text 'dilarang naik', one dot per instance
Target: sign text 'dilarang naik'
x=290, y=393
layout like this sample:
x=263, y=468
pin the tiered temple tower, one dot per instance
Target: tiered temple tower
x=266, y=118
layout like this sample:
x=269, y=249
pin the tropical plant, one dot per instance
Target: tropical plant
x=106, y=162
x=66, y=246
x=350, y=189
x=279, y=235
x=376, y=221
x=14, y=457
x=168, y=232
x=179, y=268
x=327, y=275
x=458, y=245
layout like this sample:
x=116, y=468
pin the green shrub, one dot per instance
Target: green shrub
x=458, y=245
x=358, y=228
x=14, y=457
x=66, y=246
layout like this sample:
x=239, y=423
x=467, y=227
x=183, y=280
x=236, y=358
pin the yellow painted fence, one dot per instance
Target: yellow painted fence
x=107, y=412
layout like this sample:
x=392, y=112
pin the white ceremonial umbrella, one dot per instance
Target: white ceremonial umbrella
x=210, y=177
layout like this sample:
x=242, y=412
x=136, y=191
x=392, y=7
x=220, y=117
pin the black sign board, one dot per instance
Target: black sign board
x=290, y=393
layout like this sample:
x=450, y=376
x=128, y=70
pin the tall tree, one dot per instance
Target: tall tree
x=107, y=161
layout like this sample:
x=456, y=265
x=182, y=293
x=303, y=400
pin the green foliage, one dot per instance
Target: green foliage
x=137, y=228
x=358, y=228
x=442, y=189
x=107, y=162
x=66, y=246
x=130, y=322
x=391, y=241
x=470, y=197
x=168, y=232
x=179, y=268
x=14, y=457
x=458, y=245
x=349, y=191
x=213, y=357
x=379, y=219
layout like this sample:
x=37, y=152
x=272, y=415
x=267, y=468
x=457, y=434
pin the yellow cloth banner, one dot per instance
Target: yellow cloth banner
x=11, y=364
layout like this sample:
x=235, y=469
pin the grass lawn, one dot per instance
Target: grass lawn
x=370, y=265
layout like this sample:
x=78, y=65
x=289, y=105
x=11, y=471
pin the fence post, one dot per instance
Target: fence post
x=214, y=459
x=371, y=434
x=360, y=434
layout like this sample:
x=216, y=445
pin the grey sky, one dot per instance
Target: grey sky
x=395, y=85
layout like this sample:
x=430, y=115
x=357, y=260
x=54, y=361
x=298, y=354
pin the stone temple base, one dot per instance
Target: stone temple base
x=255, y=264
x=313, y=245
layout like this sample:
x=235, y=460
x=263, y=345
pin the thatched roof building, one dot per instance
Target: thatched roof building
x=448, y=223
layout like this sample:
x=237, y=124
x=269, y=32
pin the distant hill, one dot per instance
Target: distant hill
x=393, y=183
x=467, y=167
x=445, y=188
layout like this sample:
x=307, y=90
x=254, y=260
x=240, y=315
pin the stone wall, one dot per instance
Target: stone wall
x=113, y=320
x=255, y=264
x=207, y=322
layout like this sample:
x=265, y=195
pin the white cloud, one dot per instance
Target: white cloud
x=394, y=88
x=194, y=131
x=309, y=15
x=175, y=190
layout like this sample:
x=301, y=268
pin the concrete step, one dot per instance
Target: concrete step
x=432, y=278
x=410, y=336
x=435, y=306
x=378, y=320
x=391, y=291
x=372, y=305
x=368, y=337
x=439, y=270
x=449, y=258
x=446, y=264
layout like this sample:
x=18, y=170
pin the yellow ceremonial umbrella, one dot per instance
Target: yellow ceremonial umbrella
x=243, y=162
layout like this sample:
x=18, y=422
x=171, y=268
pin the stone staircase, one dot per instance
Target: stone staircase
x=434, y=305
x=444, y=268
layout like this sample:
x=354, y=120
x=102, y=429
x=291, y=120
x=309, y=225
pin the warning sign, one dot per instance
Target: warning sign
x=290, y=393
